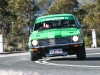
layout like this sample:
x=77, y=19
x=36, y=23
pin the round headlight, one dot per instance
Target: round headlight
x=34, y=42
x=75, y=38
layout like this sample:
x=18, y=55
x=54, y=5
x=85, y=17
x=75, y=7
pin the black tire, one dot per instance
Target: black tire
x=35, y=56
x=81, y=53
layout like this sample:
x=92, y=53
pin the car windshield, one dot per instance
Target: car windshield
x=54, y=24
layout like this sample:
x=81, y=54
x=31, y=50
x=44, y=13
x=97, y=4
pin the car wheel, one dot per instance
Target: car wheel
x=35, y=56
x=81, y=53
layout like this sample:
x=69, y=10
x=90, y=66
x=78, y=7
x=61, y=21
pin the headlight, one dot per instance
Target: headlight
x=75, y=38
x=34, y=42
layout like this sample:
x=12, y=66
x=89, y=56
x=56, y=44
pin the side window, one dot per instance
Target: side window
x=37, y=26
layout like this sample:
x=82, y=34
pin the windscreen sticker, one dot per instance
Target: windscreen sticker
x=52, y=18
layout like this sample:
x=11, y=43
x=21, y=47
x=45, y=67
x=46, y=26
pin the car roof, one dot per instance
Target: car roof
x=54, y=16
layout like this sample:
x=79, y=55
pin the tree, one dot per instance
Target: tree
x=91, y=21
x=24, y=10
x=84, y=10
x=44, y=5
x=22, y=13
x=3, y=16
x=98, y=5
x=63, y=6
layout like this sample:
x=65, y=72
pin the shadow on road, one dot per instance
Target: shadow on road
x=75, y=59
x=64, y=59
x=93, y=59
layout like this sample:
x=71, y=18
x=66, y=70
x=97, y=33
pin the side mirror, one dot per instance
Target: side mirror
x=82, y=26
x=31, y=29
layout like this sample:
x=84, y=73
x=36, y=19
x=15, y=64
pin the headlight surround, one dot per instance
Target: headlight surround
x=75, y=38
x=34, y=42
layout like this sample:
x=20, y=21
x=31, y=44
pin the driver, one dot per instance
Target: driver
x=45, y=25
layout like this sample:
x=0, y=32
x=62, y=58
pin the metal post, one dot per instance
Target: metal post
x=1, y=43
x=94, y=38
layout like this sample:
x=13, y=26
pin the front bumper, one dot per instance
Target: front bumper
x=56, y=45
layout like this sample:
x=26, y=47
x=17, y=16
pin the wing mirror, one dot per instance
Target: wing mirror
x=31, y=29
x=81, y=26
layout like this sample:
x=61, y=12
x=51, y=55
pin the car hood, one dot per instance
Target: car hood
x=54, y=33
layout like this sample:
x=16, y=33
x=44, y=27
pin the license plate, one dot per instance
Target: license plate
x=55, y=51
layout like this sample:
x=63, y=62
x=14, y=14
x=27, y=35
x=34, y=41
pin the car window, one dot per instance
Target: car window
x=55, y=24
x=67, y=23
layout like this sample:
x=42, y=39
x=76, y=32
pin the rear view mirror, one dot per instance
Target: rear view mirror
x=31, y=29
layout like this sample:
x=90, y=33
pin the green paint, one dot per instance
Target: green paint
x=52, y=33
x=54, y=17
x=55, y=32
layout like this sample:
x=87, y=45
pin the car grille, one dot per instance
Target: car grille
x=54, y=41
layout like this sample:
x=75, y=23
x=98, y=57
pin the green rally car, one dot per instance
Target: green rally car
x=57, y=35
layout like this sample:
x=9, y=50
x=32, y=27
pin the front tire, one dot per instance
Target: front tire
x=81, y=53
x=35, y=56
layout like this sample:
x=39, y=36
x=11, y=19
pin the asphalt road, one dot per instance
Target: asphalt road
x=20, y=64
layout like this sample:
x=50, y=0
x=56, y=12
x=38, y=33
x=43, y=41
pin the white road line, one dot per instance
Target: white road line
x=70, y=65
x=47, y=63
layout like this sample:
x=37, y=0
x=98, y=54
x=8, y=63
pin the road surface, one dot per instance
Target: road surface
x=20, y=64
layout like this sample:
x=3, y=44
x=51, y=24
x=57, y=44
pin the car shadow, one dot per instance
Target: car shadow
x=93, y=59
x=64, y=59
x=75, y=59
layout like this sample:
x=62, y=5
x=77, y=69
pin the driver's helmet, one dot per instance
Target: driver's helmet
x=45, y=25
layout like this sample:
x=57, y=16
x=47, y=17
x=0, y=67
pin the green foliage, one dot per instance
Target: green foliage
x=63, y=6
x=90, y=19
x=44, y=4
x=16, y=14
x=88, y=41
x=4, y=13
